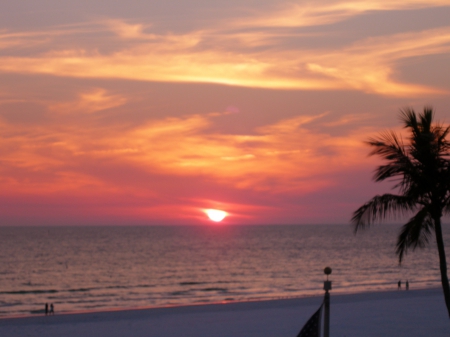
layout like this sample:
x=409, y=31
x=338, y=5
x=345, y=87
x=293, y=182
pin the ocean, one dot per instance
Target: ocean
x=108, y=268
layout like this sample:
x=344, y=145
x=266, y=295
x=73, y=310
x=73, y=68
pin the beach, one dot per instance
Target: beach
x=389, y=313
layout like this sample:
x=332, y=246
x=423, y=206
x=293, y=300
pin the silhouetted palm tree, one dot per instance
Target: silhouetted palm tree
x=421, y=169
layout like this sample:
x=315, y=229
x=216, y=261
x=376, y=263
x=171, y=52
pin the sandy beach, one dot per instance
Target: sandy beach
x=395, y=313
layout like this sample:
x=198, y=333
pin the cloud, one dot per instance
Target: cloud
x=282, y=157
x=96, y=99
x=369, y=65
x=307, y=14
x=348, y=119
x=221, y=56
x=126, y=30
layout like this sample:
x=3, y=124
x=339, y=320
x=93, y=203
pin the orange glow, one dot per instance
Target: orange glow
x=216, y=215
x=261, y=111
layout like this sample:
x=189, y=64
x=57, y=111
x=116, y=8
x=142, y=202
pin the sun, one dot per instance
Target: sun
x=216, y=215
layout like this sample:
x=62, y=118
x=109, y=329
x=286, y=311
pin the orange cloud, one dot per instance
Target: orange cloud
x=282, y=157
x=328, y=12
x=90, y=101
x=128, y=31
x=368, y=65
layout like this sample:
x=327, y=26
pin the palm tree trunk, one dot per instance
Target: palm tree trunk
x=442, y=262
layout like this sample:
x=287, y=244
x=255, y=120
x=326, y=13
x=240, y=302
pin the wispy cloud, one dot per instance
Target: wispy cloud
x=237, y=58
x=91, y=101
x=326, y=12
x=370, y=65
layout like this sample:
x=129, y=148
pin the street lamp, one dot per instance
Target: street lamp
x=326, y=287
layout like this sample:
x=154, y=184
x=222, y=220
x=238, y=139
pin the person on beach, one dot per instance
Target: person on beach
x=407, y=285
x=46, y=309
x=399, y=285
x=52, y=309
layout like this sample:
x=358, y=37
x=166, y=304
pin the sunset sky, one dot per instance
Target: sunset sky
x=149, y=112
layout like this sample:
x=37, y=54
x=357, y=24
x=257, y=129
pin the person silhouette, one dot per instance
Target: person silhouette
x=407, y=285
x=46, y=309
x=52, y=309
x=399, y=284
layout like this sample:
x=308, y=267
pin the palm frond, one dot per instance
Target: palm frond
x=378, y=208
x=442, y=142
x=415, y=233
x=423, y=124
x=426, y=119
x=390, y=147
x=418, y=166
x=409, y=118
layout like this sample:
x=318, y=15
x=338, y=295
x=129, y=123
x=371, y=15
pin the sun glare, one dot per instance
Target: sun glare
x=216, y=215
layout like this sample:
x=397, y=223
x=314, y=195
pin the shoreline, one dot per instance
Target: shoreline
x=200, y=304
x=411, y=313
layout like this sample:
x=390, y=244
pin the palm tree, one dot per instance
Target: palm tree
x=421, y=170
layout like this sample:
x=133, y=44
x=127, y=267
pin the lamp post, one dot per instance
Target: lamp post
x=326, y=287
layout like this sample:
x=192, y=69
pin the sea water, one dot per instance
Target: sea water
x=103, y=268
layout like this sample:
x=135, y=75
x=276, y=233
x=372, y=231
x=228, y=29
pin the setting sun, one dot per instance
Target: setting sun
x=216, y=214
